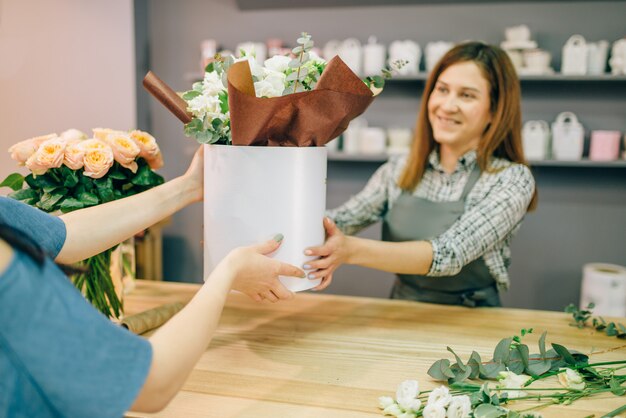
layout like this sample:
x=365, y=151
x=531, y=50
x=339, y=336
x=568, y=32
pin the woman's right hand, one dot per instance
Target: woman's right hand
x=256, y=274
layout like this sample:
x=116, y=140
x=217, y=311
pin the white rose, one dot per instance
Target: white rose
x=206, y=105
x=571, y=379
x=385, y=401
x=407, y=393
x=393, y=410
x=440, y=396
x=278, y=63
x=316, y=58
x=510, y=380
x=256, y=70
x=460, y=407
x=212, y=84
x=434, y=411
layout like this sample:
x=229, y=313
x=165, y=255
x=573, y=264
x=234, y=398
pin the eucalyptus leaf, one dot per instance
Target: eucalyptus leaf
x=459, y=374
x=564, y=353
x=502, y=351
x=542, y=344
x=475, y=364
x=440, y=370
x=489, y=411
x=294, y=63
x=459, y=362
x=515, y=363
x=15, y=181
x=611, y=331
x=522, y=349
x=538, y=367
x=297, y=50
x=491, y=370
x=292, y=77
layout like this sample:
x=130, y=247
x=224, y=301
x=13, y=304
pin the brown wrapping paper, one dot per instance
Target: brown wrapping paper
x=168, y=97
x=152, y=318
x=310, y=118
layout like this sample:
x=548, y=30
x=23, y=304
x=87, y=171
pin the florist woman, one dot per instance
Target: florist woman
x=450, y=208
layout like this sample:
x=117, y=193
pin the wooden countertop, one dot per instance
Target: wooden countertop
x=333, y=356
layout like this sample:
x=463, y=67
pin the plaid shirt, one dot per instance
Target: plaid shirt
x=493, y=210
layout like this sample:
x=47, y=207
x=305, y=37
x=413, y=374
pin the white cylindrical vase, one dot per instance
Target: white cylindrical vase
x=253, y=193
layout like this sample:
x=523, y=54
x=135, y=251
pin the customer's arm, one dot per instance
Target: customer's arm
x=93, y=230
x=178, y=344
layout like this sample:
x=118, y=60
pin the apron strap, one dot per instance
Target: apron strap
x=471, y=181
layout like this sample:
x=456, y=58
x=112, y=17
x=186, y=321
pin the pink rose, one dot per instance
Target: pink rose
x=73, y=135
x=102, y=133
x=97, y=160
x=74, y=155
x=147, y=144
x=125, y=150
x=21, y=151
x=49, y=155
x=155, y=162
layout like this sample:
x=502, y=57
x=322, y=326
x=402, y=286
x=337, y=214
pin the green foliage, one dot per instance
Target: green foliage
x=14, y=181
x=66, y=190
x=378, y=81
x=508, y=355
x=582, y=316
x=301, y=78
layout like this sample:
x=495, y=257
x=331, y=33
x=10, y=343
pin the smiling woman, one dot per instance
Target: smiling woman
x=450, y=208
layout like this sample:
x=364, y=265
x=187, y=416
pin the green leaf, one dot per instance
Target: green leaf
x=49, y=200
x=297, y=50
x=28, y=196
x=491, y=370
x=515, y=363
x=564, y=353
x=39, y=182
x=502, y=351
x=459, y=362
x=88, y=199
x=611, y=331
x=146, y=177
x=191, y=94
x=621, y=331
x=489, y=411
x=70, y=204
x=522, y=349
x=616, y=388
x=70, y=177
x=15, y=181
x=459, y=374
x=440, y=370
x=538, y=367
x=542, y=344
x=475, y=363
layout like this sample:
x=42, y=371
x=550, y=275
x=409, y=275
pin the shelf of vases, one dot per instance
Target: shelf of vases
x=381, y=158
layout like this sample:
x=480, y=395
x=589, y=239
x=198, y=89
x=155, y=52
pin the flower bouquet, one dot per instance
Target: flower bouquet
x=278, y=117
x=70, y=171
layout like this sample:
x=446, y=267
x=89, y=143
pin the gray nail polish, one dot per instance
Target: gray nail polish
x=278, y=237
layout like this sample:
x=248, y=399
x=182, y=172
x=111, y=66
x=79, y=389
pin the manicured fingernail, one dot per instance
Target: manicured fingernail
x=278, y=237
x=312, y=276
x=302, y=275
x=306, y=267
x=308, y=252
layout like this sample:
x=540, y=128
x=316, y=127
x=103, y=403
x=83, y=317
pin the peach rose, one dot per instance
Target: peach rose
x=21, y=151
x=102, y=133
x=155, y=162
x=49, y=155
x=147, y=144
x=98, y=160
x=74, y=155
x=73, y=135
x=125, y=150
x=92, y=143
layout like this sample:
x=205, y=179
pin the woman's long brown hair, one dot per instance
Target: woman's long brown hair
x=503, y=136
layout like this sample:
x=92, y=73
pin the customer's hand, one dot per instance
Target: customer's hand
x=333, y=253
x=194, y=176
x=256, y=274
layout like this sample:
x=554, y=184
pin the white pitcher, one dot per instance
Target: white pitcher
x=373, y=57
x=567, y=137
x=597, y=53
x=575, y=56
x=351, y=53
x=536, y=139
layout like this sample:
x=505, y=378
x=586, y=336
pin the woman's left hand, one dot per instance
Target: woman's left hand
x=333, y=253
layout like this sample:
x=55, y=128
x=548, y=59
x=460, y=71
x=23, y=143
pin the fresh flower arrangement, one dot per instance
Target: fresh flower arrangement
x=279, y=76
x=514, y=370
x=71, y=171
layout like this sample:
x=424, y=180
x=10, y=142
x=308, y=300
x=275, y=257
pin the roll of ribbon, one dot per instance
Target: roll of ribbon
x=605, y=286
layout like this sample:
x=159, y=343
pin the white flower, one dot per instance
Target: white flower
x=212, y=84
x=73, y=134
x=271, y=86
x=440, y=397
x=385, y=401
x=393, y=409
x=460, y=407
x=278, y=63
x=571, y=379
x=257, y=70
x=206, y=105
x=316, y=58
x=406, y=395
x=434, y=411
x=510, y=380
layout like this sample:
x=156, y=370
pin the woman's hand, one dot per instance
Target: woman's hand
x=256, y=274
x=333, y=253
x=194, y=176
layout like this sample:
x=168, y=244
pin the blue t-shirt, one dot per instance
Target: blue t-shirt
x=59, y=357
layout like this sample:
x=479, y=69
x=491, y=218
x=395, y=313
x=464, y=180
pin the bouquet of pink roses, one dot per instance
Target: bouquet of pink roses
x=71, y=171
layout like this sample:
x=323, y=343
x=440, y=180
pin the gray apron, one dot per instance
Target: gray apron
x=414, y=219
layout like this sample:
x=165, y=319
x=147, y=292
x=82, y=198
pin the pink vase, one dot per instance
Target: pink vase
x=604, y=145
